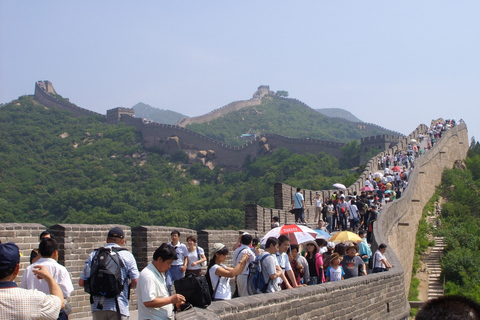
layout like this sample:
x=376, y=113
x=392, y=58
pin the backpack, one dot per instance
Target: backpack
x=195, y=290
x=105, y=279
x=255, y=281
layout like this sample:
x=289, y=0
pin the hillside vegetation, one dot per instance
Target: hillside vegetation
x=338, y=113
x=55, y=168
x=461, y=227
x=146, y=111
x=286, y=117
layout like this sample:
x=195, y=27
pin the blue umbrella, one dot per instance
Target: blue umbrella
x=322, y=234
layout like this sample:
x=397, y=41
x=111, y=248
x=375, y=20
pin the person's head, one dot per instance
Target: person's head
x=321, y=242
x=246, y=239
x=320, y=223
x=45, y=234
x=382, y=248
x=116, y=235
x=335, y=259
x=255, y=242
x=9, y=261
x=449, y=307
x=299, y=189
x=294, y=250
x=352, y=250
x=340, y=249
x=219, y=254
x=175, y=236
x=191, y=241
x=48, y=248
x=312, y=248
x=283, y=243
x=362, y=234
x=163, y=257
x=271, y=246
x=275, y=219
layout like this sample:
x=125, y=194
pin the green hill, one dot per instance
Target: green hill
x=56, y=168
x=146, y=111
x=287, y=117
x=338, y=113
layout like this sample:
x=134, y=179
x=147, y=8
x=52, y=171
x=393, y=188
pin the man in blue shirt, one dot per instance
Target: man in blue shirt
x=115, y=238
x=298, y=204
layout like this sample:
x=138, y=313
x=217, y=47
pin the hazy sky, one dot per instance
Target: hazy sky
x=394, y=63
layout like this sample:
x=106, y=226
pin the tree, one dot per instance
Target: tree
x=282, y=93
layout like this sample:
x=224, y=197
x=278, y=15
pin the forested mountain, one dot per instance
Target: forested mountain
x=338, y=113
x=461, y=227
x=287, y=117
x=146, y=111
x=58, y=168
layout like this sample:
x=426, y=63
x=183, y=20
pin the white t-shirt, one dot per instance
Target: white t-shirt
x=335, y=274
x=223, y=292
x=193, y=257
x=151, y=285
x=377, y=260
x=284, y=263
x=318, y=203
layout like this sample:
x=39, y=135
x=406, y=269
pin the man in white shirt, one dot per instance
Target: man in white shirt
x=48, y=250
x=154, y=301
x=246, y=242
x=19, y=303
x=284, y=263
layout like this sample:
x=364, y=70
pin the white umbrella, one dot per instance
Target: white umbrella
x=413, y=141
x=378, y=175
x=339, y=186
x=297, y=234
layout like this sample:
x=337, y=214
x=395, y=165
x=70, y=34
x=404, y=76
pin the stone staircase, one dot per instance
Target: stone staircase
x=435, y=285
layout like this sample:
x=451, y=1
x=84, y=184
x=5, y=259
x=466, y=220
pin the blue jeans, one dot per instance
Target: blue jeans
x=330, y=221
x=174, y=273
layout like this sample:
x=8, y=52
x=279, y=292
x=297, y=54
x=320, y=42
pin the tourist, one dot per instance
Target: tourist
x=330, y=217
x=115, y=239
x=48, y=250
x=284, y=263
x=19, y=303
x=351, y=263
x=179, y=266
x=298, y=205
x=301, y=262
x=335, y=271
x=195, y=256
x=270, y=268
x=154, y=300
x=218, y=274
x=315, y=264
x=318, y=207
x=241, y=279
x=380, y=262
x=297, y=268
x=364, y=248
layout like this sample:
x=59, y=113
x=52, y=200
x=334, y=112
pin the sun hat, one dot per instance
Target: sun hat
x=217, y=247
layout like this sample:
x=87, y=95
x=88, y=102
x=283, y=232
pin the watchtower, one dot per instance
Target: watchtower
x=114, y=115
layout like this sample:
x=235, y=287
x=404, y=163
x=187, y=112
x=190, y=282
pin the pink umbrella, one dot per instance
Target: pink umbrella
x=297, y=234
x=367, y=189
x=397, y=169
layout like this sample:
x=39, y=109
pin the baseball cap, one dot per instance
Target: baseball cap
x=116, y=233
x=9, y=255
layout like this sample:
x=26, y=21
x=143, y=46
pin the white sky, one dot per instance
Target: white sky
x=394, y=63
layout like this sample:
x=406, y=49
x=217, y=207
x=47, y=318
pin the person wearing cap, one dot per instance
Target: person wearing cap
x=241, y=279
x=179, y=266
x=218, y=273
x=20, y=303
x=115, y=238
x=352, y=262
x=48, y=250
x=154, y=300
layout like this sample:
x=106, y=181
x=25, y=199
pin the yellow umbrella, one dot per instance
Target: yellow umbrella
x=345, y=236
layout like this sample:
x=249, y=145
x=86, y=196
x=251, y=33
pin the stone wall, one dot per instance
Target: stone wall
x=49, y=101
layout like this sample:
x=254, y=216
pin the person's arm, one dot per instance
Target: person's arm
x=291, y=275
x=133, y=283
x=232, y=272
x=185, y=264
x=42, y=273
x=202, y=260
x=387, y=264
x=160, y=302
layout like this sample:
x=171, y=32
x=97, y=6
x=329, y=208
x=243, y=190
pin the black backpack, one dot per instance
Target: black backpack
x=105, y=279
x=195, y=290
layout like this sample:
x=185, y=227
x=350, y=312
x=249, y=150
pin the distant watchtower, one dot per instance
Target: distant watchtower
x=382, y=142
x=114, y=115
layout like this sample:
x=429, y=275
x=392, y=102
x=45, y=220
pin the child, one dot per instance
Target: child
x=335, y=271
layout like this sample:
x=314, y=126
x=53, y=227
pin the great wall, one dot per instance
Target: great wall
x=173, y=138
x=376, y=296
